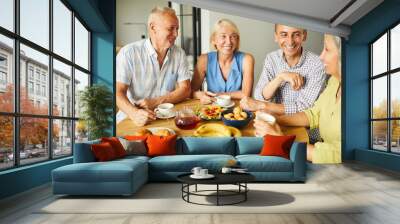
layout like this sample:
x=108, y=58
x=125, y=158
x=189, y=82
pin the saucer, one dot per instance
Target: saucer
x=227, y=106
x=208, y=176
x=162, y=116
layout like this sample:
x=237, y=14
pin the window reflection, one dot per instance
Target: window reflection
x=35, y=21
x=379, y=98
x=32, y=60
x=6, y=74
x=62, y=29
x=379, y=56
x=81, y=45
x=7, y=14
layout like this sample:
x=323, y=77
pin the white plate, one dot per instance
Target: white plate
x=227, y=106
x=155, y=129
x=208, y=176
x=162, y=116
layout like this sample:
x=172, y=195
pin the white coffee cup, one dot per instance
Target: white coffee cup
x=265, y=117
x=223, y=100
x=226, y=170
x=203, y=172
x=165, y=109
x=196, y=171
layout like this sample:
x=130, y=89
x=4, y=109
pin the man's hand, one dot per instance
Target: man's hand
x=207, y=97
x=295, y=80
x=142, y=117
x=248, y=103
x=149, y=103
x=262, y=128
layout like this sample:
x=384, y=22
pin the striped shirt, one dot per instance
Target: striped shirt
x=138, y=67
x=309, y=66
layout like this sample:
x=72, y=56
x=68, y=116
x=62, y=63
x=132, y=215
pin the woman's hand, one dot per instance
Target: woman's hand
x=262, y=128
x=206, y=97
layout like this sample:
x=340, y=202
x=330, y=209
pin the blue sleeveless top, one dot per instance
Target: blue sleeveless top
x=215, y=79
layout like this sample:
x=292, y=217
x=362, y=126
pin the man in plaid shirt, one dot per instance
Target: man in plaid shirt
x=292, y=77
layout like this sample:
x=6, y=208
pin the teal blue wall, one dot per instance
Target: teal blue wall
x=356, y=119
x=99, y=15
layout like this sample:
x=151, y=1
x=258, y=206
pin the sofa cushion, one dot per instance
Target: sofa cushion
x=206, y=145
x=161, y=145
x=277, y=145
x=112, y=171
x=103, y=152
x=185, y=163
x=83, y=152
x=134, y=147
x=249, y=145
x=116, y=145
x=257, y=163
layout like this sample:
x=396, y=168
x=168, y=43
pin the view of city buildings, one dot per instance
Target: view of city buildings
x=34, y=81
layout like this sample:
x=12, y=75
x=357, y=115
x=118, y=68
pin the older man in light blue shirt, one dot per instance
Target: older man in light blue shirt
x=152, y=71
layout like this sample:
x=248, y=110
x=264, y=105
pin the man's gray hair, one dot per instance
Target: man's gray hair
x=159, y=11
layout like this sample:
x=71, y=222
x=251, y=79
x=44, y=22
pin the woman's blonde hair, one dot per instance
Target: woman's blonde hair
x=338, y=43
x=224, y=22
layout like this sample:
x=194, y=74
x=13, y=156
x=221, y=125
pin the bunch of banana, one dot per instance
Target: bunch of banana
x=216, y=130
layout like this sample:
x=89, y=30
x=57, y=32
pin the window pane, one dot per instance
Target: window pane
x=33, y=140
x=81, y=81
x=62, y=89
x=395, y=138
x=395, y=94
x=379, y=97
x=35, y=21
x=62, y=29
x=379, y=135
x=62, y=141
x=6, y=74
x=34, y=82
x=379, y=55
x=81, y=131
x=395, y=47
x=81, y=45
x=7, y=14
x=6, y=142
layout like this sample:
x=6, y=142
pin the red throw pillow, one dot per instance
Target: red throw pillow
x=277, y=145
x=103, y=151
x=161, y=145
x=116, y=145
x=135, y=138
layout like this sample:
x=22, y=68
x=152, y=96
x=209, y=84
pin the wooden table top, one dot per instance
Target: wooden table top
x=127, y=127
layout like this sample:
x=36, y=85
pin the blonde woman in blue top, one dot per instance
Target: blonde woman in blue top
x=227, y=70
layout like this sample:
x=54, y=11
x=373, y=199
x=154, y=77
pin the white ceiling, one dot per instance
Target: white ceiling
x=324, y=16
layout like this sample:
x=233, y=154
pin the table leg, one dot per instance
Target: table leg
x=217, y=194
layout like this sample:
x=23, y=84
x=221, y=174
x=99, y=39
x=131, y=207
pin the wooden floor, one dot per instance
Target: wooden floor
x=378, y=189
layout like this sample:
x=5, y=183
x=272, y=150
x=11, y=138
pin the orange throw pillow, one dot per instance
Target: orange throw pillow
x=116, y=145
x=136, y=137
x=161, y=145
x=103, y=151
x=277, y=145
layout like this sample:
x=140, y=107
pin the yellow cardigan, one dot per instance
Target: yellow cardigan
x=326, y=115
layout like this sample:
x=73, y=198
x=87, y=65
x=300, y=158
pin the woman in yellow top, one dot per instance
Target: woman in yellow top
x=325, y=114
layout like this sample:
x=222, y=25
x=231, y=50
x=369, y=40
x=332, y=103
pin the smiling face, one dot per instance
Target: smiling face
x=164, y=30
x=225, y=38
x=290, y=39
x=330, y=56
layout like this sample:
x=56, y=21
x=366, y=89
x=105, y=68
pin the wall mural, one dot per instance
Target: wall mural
x=297, y=94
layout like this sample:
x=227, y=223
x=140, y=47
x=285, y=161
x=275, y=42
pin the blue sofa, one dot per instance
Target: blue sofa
x=125, y=176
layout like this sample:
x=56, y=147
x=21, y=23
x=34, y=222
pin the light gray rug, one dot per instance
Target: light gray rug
x=166, y=198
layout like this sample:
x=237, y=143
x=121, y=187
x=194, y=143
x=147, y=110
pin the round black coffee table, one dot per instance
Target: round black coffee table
x=238, y=179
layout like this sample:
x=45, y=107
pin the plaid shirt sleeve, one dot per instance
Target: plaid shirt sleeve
x=265, y=77
x=314, y=85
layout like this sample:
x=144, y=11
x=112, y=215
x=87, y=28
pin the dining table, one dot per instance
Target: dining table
x=128, y=127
